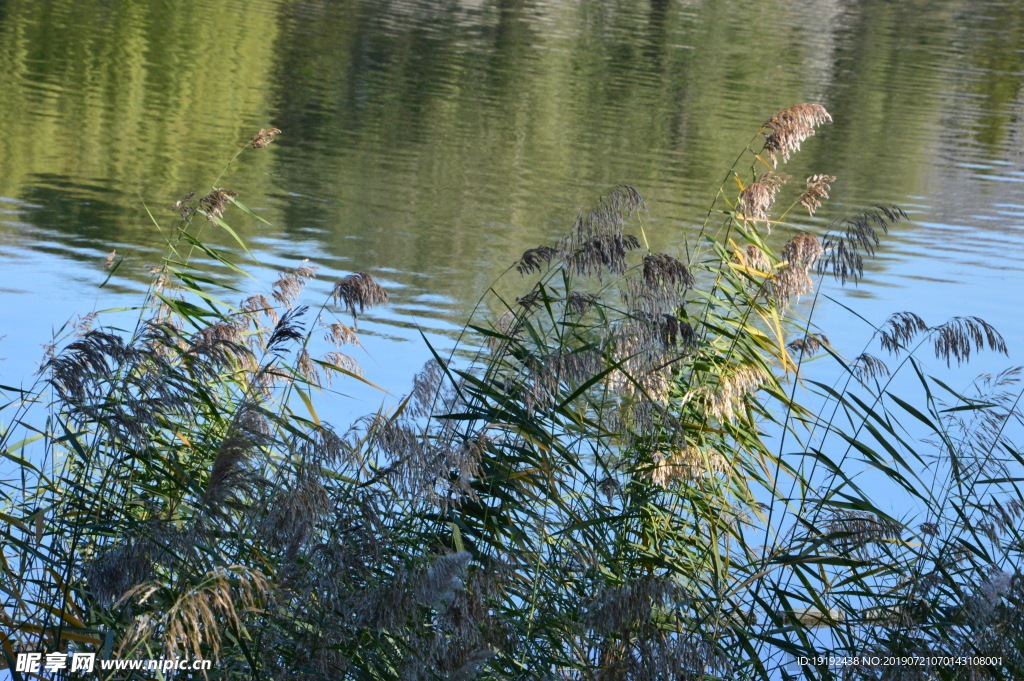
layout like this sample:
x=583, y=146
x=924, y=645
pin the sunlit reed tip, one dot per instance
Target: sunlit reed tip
x=757, y=198
x=786, y=130
x=818, y=187
x=263, y=138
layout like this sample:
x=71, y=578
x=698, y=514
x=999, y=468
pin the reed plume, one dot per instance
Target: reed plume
x=785, y=131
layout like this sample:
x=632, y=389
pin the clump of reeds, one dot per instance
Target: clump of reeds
x=621, y=485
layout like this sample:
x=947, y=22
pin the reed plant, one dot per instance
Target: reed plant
x=616, y=481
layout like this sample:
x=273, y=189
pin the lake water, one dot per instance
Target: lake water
x=431, y=142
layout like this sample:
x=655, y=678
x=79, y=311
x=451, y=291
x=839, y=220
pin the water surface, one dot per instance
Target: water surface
x=429, y=143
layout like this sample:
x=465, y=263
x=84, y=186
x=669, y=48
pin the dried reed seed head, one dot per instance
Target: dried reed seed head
x=119, y=568
x=426, y=387
x=445, y=577
x=853, y=238
x=629, y=608
x=958, y=337
x=292, y=512
x=868, y=367
x=109, y=262
x=809, y=344
x=687, y=464
x=597, y=243
x=531, y=301
x=342, y=361
x=641, y=298
x=231, y=478
x=183, y=206
x=214, y=203
x=818, y=187
x=788, y=282
x=757, y=198
x=580, y=303
x=625, y=200
x=727, y=400
x=662, y=270
x=359, y=291
x=668, y=329
x=803, y=250
x=899, y=329
x=259, y=303
x=756, y=259
x=572, y=366
x=83, y=325
x=287, y=330
x=609, y=487
x=600, y=253
x=1006, y=514
x=536, y=259
x=263, y=138
x=291, y=283
x=785, y=131
x=198, y=616
x=307, y=368
x=929, y=529
x=509, y=326
x=851, y=530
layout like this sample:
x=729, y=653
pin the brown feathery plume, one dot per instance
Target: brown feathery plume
x=307, y=368
x=809, y=344
x=359, y=291
x=509, y=328
x=214, y=203
x=201, y=614
x=802, y=250
x=960, y=335
x=646, y=348
x=292, y=513
x=182, y=206
x=231, y=477
x=259, y=303
x=443, y=579
x=84, y=324
x=662, y=269
x=531, y=301
x=119, y=569
x=342, y=361
x=263, y=138
x=899, y=329
x=757, y=198
x=848, y=531
x=687, y=464
x=754, y=258
x=287, y=329
x=866, y=367
x=291, y=283
x=817, y=189
x=109, y=262
x=341, y=334
x=793, y=278
x=580, y=303
x=788, y=282
x=426, y=386
x=845, y=248
x=733, y=388
x=535, y=259
x=786, y=130
x=597, y=243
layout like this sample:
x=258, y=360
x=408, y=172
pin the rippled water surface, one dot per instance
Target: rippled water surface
x=429, y=143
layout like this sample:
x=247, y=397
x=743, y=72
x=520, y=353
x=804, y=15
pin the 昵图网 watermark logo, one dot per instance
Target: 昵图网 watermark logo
x=34, y=663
